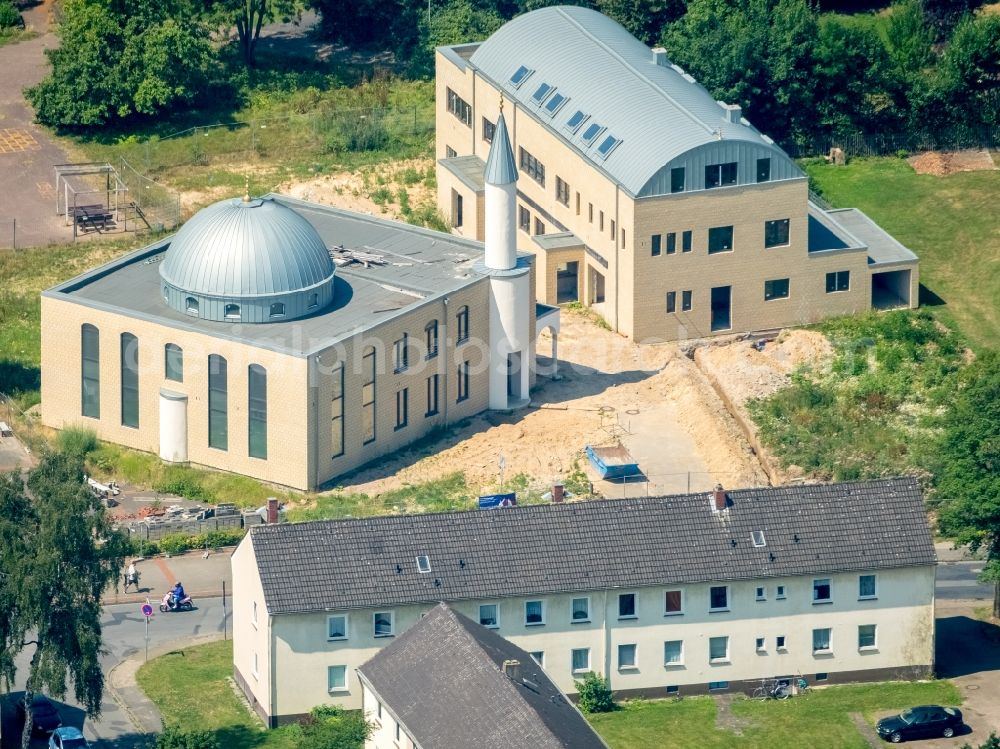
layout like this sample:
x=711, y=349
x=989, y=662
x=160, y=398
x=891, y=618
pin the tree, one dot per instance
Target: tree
x=58, y=554
x=968, y=473
x=645, y=19
x=249, y=17
x=969, y=71
x=908, y=38
x=595, y=694
x=385, y=24
x=115, y=62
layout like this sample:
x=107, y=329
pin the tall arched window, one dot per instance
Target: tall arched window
x=130, y=380
x=90, y=385
x=431, y=334
x=462, y=334
x=218, y=402
x=368, y=396
x=173, y=362
x=257, y=389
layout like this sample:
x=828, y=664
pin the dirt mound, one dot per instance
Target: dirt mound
x=943, y=163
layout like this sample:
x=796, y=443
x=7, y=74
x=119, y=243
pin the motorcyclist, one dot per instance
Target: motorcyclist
x=178, y=595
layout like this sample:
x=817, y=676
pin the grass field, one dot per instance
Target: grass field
x=818, y=720
x=950, y=222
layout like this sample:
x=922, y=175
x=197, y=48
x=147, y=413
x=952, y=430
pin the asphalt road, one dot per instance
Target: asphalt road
x=957, y=580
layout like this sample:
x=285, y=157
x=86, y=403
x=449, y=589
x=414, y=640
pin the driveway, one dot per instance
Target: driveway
x=27, y=153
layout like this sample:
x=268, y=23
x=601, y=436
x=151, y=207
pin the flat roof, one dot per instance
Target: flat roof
x=557, y=240
x=422, y=265
x=468, y=169
x=826, y=234
x=883, y=248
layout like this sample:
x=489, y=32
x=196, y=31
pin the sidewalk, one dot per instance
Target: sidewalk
x=202, y=577
x=946, y=552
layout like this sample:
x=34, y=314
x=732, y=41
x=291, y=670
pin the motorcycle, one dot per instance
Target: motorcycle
x=168, y=603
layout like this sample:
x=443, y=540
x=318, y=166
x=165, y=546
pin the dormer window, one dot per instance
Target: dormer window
x=232, y=312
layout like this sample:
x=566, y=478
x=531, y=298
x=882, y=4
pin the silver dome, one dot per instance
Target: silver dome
x=249, y=260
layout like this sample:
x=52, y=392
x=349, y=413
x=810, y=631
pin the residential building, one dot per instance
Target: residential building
x=642, y=196
x=450, y=683
x=293, y=342
x=664, y=595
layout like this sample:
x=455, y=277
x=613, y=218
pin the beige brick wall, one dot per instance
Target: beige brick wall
x=286, y=376
x=474, y=206
x=452, y=132
x=547, y=264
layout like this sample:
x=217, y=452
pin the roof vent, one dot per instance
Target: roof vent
x=720, y=501
x=512, y=669
x=423, y=564
x=734, y=113
x=660, y=56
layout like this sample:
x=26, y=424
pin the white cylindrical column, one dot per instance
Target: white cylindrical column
x=173, y=427
x=500, y=230
x=509, y=335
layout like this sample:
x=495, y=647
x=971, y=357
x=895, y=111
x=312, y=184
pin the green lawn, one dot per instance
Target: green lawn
x=820, y=719
x=950, y=222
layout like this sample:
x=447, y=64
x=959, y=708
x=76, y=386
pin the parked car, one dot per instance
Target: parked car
x=44, y=716
x=67, y=738
x=921, y=722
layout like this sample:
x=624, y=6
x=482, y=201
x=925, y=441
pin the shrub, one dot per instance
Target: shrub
x=183, y=482
x=595, y=694
x=76, y=441
x=9, y=17
x=176, y=543
x=173, y=737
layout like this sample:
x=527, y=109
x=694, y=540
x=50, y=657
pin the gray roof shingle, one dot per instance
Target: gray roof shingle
x=596, y=545
x=443, y=679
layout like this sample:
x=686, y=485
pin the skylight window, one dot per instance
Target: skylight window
x=758, y=538
x=423, y=564
x=576, y=120
x=539, y=96
x=608, y=145
x=591, y=133
x=555, y=103
x=520, y=75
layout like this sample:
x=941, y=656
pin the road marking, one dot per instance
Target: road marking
x=16, y=140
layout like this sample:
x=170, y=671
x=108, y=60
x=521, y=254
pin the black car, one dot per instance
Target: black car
x=922, y=722
x=44, y=716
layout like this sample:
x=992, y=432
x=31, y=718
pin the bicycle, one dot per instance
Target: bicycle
x=772, y=689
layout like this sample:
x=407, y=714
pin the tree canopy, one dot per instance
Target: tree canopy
x=58, y=554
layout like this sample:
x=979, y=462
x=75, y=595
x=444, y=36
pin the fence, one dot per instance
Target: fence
x=191, y=527
x=150, y=205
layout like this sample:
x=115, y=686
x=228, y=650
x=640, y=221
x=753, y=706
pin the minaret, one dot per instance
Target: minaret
x=510, y=280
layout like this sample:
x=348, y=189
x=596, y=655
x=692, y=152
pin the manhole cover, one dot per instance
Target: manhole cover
x=972, y=687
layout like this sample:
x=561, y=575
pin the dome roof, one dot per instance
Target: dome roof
x=246, y=248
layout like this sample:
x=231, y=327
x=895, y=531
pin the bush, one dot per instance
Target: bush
x=175, y=738
x=329, y=727
x=9, y=17
x=183, y=482
x=595, y=694
x=77, y=442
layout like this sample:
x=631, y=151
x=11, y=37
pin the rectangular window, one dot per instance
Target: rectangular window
x=866, y=637
x=673, y=652
x=431, y=339
x=626, y=606
x=253, y=667
x=776, y=289
x=534, y=612
x=382, y=624
x=623, y=238
x=821, y=676
x=578, y=204
x=612, y=230
x=538, y=656
x=718, y=649
x=218, y=403
x=838, y=281
x=654, y=245
x=368, y=396
x=581, y=660
x=759, y=645
x=562, y=191
x=600, y=221
x=459, y=107
x=532, y=167
x=253, y=614
x=457, y=209
x=779, y=592
x=523, y=219
x=673, y=603
x=671, y=243
x=402, y=408
x=401, y=354
x=590, y=212
x=336, y=678
x=489, y=615
x=337, y=411
x=821, y=640
x=130, y=380
x=463, y=381
x=539, y=226
x=822, y=590
x=776, y=233
x=671, y=302
x=760, y=593
x=173, y=362
x=489, y=129
x=686, y=301
x=720, y=175
x=715, y=685
x=336, y=627
x=432, y=395
x=463, y=325
x=718, y=598
x=626, y=657
x=686, y=241
x=580, y=610
x=720, y=239
x=866, y=586
x=677, y=179
x=450, y=152
x=257, y=411
x=779, y=642
x=764, y=170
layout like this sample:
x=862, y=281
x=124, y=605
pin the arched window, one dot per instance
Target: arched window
x=90, y=355
x=218, y=402
x=173, y=362
x=278, y=309
x=431, y=332
x=368, y=396
x=191, y=305
x=130, y=380
x=313, y=300
x=232, y=312
x=257, y=389
x=463, y=325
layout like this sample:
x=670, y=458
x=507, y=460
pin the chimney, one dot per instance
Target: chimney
x=512, y=670
x=734, y=113
x=272, y=510
x=557, y=493
x=719, y=499
x=660, y=56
